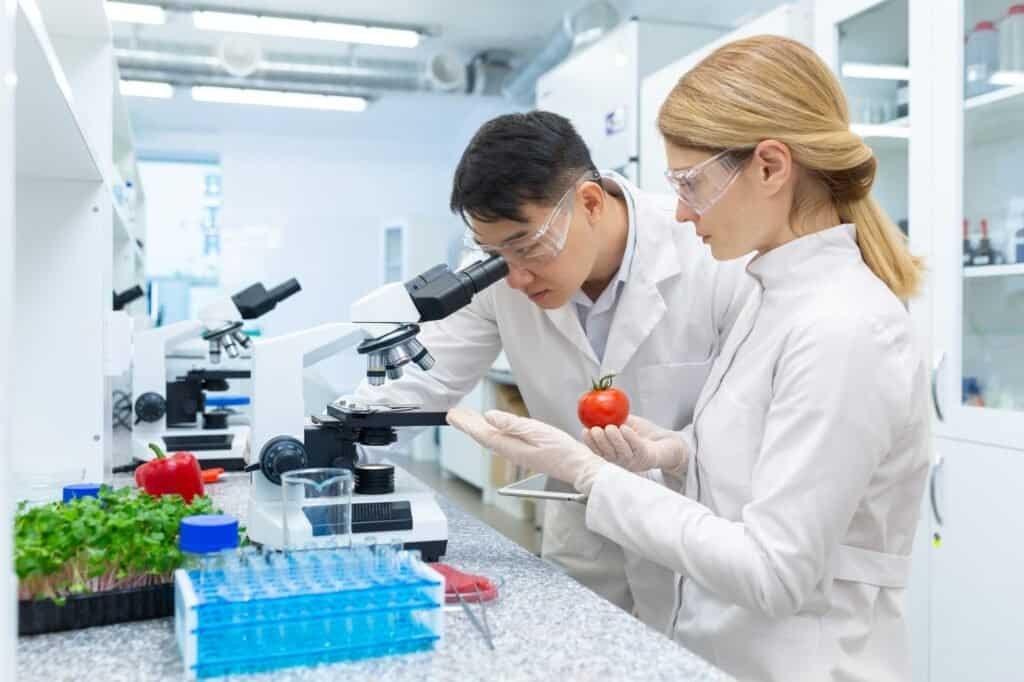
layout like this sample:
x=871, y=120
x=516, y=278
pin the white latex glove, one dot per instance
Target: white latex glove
x=640, y=445
x=531, y=444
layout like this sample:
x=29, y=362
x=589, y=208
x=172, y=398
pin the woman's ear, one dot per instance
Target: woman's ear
x=774, y=165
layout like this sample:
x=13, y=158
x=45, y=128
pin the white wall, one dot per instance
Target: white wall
x=307, y=199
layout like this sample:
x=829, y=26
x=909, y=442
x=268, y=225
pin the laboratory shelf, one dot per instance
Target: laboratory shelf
x=995, y=115
x=892, y=135
x=51, y=142
x=994, y=271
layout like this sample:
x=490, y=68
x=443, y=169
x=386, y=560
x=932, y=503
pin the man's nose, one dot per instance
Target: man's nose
x=518, y=276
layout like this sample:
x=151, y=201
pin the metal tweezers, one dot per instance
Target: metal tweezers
x=483, y=628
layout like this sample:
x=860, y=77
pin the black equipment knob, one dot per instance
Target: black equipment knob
x=281, y=455
x=150, y=407
x=374, y=479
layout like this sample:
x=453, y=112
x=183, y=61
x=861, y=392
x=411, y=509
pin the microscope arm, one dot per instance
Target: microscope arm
x=149, y=371
x=277, y=363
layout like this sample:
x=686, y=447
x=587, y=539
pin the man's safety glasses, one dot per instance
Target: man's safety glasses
x=546, y=242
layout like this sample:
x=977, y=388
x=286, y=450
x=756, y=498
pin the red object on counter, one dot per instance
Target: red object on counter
x=472, y=588
x=178, y=474
x=212, y=475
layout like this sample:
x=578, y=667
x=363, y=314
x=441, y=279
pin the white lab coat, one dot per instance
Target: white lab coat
x=676, y=305
x=792, y=542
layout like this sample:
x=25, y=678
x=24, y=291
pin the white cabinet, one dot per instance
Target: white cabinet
x=598, y=89
x=978, y=283
x=70, y=241
x=976, y=565
x=953, y=161
x=8, y=631
x=461, y=455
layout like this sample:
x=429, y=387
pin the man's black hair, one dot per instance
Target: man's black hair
x=516, y=159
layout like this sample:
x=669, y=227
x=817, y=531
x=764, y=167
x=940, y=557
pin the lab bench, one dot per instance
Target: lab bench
x=546, y=626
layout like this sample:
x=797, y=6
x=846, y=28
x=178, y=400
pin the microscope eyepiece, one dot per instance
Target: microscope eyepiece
x=439, y=292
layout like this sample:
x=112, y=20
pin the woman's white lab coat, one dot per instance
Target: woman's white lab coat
x=792, y=541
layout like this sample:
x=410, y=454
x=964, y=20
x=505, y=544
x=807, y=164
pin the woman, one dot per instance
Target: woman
x=788, y=507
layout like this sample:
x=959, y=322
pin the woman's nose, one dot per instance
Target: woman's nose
x=685, y=214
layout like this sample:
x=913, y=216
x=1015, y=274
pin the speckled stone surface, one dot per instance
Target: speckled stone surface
x=546, y=627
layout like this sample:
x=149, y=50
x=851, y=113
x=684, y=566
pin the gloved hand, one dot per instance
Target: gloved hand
x=640, y=445
x=531, y=444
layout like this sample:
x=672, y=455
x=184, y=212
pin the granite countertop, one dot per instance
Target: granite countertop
x=545, y=625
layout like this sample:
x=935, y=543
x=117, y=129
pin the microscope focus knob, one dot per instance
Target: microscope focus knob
x=150, y=407
x=281, y=455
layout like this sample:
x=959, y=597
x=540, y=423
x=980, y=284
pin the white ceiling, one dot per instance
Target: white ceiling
x=463, y=26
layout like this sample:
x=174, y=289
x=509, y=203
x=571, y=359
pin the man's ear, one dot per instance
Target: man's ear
x=592, y=199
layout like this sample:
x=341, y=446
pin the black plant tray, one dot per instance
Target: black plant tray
x=100, y=608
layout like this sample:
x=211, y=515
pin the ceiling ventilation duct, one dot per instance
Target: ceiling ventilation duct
x=240, y=55
x=577, y=28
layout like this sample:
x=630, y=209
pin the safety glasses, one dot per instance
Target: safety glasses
x=701, y=186
x=546, y=242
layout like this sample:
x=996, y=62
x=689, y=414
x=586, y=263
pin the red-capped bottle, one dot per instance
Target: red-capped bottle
x=983, y=254
x=968, y=249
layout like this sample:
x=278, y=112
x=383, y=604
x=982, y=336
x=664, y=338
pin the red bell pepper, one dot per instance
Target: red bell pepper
x=178, y=474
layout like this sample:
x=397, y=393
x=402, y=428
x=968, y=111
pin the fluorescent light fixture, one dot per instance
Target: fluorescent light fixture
x=277, y=98
x=890, y=72
x=301, y=28
x=880, y=130
x=132, y=13
x=155, y=89
x=1007, y=78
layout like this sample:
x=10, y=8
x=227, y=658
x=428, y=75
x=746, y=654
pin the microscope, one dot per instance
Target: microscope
x=384, y=329
x=167, y=408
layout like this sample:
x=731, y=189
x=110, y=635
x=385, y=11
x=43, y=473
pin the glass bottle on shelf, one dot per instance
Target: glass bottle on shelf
x=903, y=99
x=985, y=254
x=981, y=58
x=968, y=249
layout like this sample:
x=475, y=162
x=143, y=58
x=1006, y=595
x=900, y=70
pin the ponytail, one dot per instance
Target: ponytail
x=883, y=247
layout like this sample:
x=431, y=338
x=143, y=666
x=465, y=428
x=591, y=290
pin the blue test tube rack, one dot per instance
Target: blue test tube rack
x=258, y=612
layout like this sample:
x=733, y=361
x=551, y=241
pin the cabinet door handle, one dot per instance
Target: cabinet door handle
x=932, y=486
x=935, y=386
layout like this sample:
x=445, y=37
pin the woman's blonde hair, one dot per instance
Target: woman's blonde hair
x=769, y=87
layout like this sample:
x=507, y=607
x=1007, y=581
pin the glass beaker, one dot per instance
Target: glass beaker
x=316, y=508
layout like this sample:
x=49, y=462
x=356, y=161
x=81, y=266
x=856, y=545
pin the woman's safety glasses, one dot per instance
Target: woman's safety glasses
x=701, y=186
x=546, y=242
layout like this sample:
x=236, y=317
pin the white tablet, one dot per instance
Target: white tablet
x=541, y=487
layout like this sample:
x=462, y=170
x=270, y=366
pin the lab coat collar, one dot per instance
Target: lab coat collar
x=640, y=306
x=805, y=259
x=654, y=259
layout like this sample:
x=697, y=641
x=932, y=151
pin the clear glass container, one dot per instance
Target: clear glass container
x=317, y=508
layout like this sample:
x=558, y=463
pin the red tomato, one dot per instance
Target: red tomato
x=604, y=405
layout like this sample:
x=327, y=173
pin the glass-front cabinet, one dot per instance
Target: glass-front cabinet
x=866, y=44
x=978, y=221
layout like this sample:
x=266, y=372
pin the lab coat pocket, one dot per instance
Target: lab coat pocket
x=666, y=394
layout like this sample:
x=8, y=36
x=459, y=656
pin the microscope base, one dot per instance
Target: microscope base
x=227, y=449
x=412, y=517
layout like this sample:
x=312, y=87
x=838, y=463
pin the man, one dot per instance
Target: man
x=602, y=280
